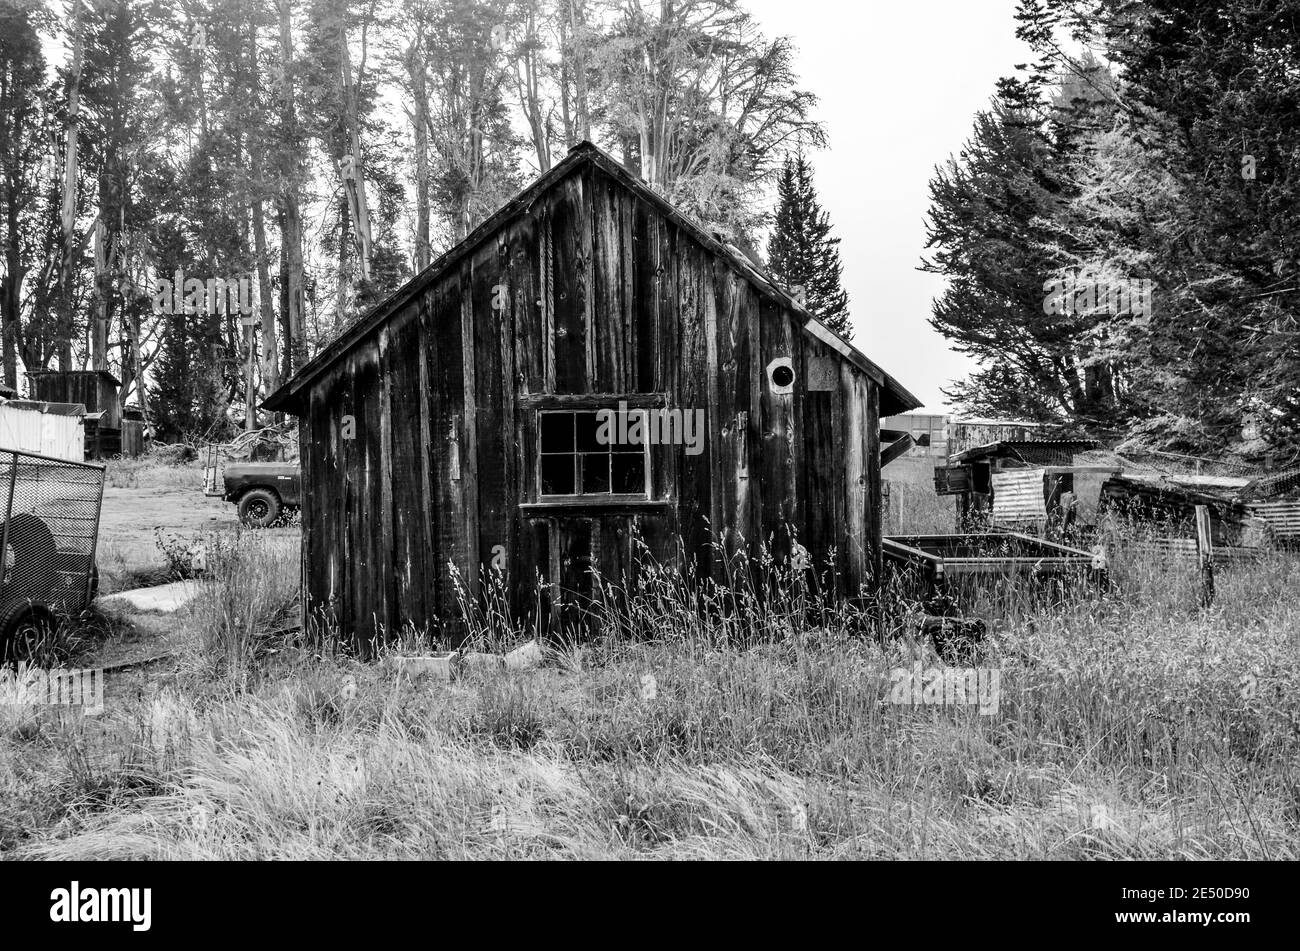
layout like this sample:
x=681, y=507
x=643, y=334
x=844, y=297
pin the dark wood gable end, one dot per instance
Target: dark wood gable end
x=470, y=396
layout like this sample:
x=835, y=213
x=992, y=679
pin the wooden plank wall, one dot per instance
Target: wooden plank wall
x=407, y=433
x=96, y=391
x=590, y=294
x=854, y=486
x=132, y=437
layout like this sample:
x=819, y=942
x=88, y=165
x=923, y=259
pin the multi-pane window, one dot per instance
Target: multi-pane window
x=576, y=461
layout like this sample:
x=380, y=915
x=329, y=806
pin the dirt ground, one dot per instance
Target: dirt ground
x=140, y=503
x=137, y=502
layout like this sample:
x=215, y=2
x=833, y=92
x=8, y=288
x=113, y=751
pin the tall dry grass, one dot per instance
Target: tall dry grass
x=703, y=723
x=915, y=509
x=249, y=594
x=149, y=472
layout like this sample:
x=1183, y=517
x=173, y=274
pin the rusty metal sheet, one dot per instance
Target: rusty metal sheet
x=1167, y=552
x=1283, y=518
x=1018, y=496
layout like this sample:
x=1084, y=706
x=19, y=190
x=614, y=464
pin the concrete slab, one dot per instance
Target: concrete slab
x=164, y=598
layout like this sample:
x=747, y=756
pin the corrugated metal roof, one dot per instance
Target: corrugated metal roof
x=1042, y=452
x=54, y=409
x=1051, y=452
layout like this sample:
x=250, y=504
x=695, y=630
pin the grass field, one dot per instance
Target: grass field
x=1131, y=724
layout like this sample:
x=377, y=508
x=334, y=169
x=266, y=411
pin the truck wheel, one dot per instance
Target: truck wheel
x=24, y=629
x=259, y=508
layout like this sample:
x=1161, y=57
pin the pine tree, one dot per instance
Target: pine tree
x=802, y=252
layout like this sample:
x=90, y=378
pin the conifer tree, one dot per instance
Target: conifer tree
x=802, y=252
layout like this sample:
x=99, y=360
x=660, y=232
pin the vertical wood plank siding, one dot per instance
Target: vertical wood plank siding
x=589, y=292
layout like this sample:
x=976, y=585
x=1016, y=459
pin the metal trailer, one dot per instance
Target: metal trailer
x=51, y=525
x=1001, y=554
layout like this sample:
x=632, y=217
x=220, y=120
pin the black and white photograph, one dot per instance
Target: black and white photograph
x=643, y=431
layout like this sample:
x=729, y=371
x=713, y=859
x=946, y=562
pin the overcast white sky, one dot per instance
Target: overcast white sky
x=900, y=82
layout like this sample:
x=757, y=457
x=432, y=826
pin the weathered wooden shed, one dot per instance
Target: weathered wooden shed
x=94, y=389
x=107, y=432
x=456, y=429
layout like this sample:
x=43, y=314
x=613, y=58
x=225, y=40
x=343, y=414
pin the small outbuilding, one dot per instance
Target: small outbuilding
x=107, y=430
x=48, y=429
x=1030, y=475
x=589, y=380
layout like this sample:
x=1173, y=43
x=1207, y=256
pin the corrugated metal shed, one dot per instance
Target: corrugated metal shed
x=1283, y=519
x=1160, y=502
x=929, y=431
x=50, y=429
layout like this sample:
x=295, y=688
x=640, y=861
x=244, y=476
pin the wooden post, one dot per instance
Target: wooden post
x=1205, y=555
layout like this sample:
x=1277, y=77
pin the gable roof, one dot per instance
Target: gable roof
x=894, y=397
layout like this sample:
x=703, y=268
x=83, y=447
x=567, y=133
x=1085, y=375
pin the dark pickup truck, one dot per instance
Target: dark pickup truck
x=263, y=490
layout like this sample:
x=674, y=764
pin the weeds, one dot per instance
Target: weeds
x=193, y=557
x=697, y=721
x=251, y=597
x=154, y=471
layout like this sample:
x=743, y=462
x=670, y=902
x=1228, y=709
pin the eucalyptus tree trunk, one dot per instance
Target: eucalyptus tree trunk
x=68, y=210
x=291, y=262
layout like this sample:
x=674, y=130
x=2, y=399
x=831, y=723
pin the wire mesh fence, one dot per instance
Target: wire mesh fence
x=51, y=522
